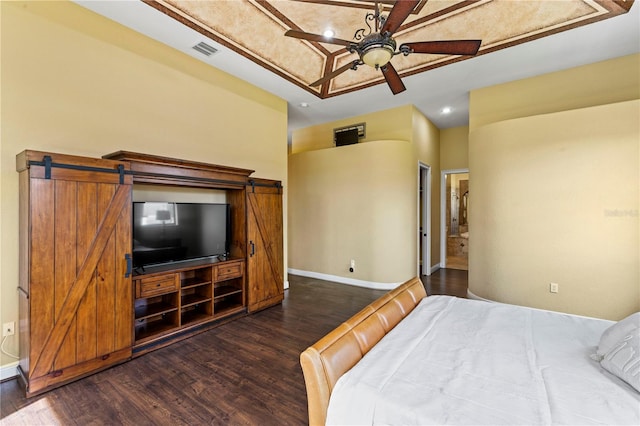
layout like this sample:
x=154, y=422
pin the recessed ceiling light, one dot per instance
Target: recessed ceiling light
x=328, y=33
x=446, y=110
x=304, y=105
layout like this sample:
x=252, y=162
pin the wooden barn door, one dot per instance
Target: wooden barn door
x=265, y=256
x=79, y=284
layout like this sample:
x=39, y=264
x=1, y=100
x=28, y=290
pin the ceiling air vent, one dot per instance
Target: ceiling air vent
x=205, y=49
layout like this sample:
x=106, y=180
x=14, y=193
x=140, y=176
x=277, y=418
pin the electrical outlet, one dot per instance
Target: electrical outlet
x=8, y=329
x=553, y=287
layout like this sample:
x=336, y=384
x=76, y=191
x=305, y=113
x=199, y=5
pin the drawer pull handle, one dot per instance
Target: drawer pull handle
x=158, y=285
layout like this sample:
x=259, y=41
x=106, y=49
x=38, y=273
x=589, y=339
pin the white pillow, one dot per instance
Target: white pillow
x=619, y=350
x=616, y=332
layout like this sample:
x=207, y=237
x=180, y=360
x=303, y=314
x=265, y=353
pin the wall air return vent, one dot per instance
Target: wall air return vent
x=349, y=135
x=205, y=49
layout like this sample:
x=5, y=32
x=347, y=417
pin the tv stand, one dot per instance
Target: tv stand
x=171, y=303
x=170, y=266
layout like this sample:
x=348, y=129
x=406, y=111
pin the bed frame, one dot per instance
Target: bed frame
x=334, y=354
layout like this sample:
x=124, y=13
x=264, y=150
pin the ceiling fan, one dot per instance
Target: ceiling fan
x=378, y=46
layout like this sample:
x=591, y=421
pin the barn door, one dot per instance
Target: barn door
x=264, y=257
x=79, y=288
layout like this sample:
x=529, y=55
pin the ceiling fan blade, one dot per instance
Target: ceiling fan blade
x=393, y=79
x=445, y=47
x=398, y=14
x=335, y=73
x=319, y=38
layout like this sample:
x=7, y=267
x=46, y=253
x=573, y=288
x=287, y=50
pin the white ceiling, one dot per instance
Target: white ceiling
x=429, y=91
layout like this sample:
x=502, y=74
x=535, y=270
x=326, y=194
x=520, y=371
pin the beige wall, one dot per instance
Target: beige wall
x=454, y=148
x=391, y=124
x=361, y=201
x=426, y=142
x=354, y=202
x=601, y=83
x=76, y=83
x=555, y=196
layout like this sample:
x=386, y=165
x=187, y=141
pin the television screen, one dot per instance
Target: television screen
x=173, y=232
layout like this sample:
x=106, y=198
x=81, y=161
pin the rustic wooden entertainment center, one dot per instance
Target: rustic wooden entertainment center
x=82, y=306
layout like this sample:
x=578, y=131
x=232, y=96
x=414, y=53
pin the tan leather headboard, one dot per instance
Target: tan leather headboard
x=334, y=354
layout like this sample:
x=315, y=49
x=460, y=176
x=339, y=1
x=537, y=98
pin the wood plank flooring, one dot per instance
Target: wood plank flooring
x=452, y=282
x=244, y=372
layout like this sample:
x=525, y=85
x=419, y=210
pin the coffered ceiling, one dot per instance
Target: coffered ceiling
x=520, y=39
x=255, y=29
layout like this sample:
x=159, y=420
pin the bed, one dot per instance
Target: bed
x=411, y=359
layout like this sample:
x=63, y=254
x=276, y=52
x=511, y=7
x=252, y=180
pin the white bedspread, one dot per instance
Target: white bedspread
x=458, y=361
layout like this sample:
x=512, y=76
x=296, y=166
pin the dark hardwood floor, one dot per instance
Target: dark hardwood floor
x=243, y=372
x=452, y=282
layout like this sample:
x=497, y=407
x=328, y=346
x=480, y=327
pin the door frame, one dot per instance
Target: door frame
x=443, y=212
x=424, y=238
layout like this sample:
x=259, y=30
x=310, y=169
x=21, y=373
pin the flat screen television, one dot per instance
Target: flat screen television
x=165, y=232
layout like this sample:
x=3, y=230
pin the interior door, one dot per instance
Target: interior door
x=265, y=246
x=79, y=292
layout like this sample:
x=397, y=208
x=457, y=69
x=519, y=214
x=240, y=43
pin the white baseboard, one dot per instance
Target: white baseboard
x=435, y=267
x=343, y=280
x=286, y=284
x=9, y=371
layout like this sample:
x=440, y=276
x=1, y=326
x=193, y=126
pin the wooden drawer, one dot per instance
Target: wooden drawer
x=155, y=286
x=228, y=271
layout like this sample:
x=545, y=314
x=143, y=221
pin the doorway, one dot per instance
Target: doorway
x=454, y=244
x=424, y=219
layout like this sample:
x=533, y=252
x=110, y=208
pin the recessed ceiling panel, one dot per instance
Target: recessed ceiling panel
x=255, y=29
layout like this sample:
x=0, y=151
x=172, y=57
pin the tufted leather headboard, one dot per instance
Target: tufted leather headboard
x=334, y=354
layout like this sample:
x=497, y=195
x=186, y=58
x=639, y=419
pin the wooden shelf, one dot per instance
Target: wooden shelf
x=153, y=309
x=152, y=332
x=224, y=309
x=194, y=316
x=193, y=299
x=192, y=282
x=225, y=290
x=153, y=326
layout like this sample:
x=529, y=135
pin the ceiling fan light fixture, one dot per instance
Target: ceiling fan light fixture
x=376, y=51
x=377, y=57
